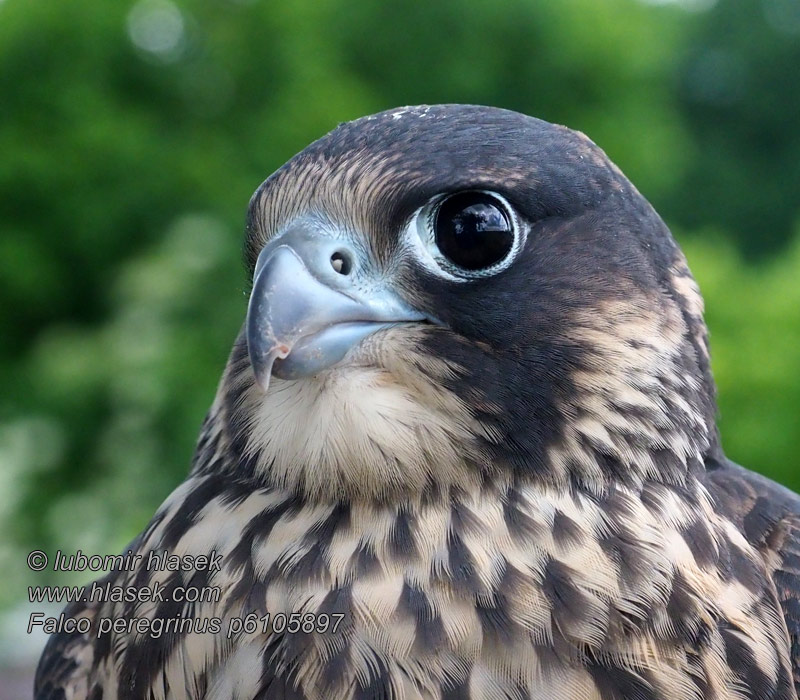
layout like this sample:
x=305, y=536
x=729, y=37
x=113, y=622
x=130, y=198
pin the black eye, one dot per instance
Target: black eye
x=473, y=230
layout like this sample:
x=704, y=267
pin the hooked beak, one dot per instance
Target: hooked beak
x=306, y=313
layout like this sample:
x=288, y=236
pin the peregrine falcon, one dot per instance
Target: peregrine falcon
x=465, y=447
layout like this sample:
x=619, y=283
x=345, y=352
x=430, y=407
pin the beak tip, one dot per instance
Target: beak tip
x=262, y=381
x=261, y=365
x=262, y=362
x=262, y=372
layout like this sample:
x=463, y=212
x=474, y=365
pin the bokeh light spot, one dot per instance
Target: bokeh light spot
x=157, y=27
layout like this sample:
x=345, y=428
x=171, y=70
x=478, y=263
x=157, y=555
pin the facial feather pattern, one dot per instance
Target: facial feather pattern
x=516, y=492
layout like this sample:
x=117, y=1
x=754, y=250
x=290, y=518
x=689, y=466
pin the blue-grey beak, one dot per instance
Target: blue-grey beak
x=312, y=301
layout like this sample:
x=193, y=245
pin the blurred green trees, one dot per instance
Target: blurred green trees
x=133, y=133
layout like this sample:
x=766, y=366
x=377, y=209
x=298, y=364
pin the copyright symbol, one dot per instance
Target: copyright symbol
x=37, y=560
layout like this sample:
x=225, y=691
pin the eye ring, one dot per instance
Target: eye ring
x=471, y=233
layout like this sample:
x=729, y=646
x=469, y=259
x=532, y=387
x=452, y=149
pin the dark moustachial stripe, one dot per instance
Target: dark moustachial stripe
x=570, y=389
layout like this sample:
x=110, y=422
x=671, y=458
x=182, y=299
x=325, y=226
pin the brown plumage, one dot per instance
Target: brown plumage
x=471, y=417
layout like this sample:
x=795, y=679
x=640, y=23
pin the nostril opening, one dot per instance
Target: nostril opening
x=340, y=262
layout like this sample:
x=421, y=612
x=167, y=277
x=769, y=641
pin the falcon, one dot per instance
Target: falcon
x=464, y=448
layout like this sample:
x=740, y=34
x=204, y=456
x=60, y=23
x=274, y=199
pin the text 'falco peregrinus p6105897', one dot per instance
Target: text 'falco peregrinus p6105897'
x=465, y=446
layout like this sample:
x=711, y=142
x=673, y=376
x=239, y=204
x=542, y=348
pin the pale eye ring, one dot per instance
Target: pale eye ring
x=473, y=230
x=469, y=234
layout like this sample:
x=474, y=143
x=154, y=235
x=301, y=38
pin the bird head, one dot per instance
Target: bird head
x=455, y=296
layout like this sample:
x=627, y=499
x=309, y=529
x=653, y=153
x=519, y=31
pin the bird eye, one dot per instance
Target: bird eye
x=473, y=230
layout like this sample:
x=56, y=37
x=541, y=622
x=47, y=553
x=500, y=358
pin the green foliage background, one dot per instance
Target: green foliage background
x=132, y=134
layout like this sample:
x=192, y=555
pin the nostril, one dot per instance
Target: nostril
x=340, y=262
